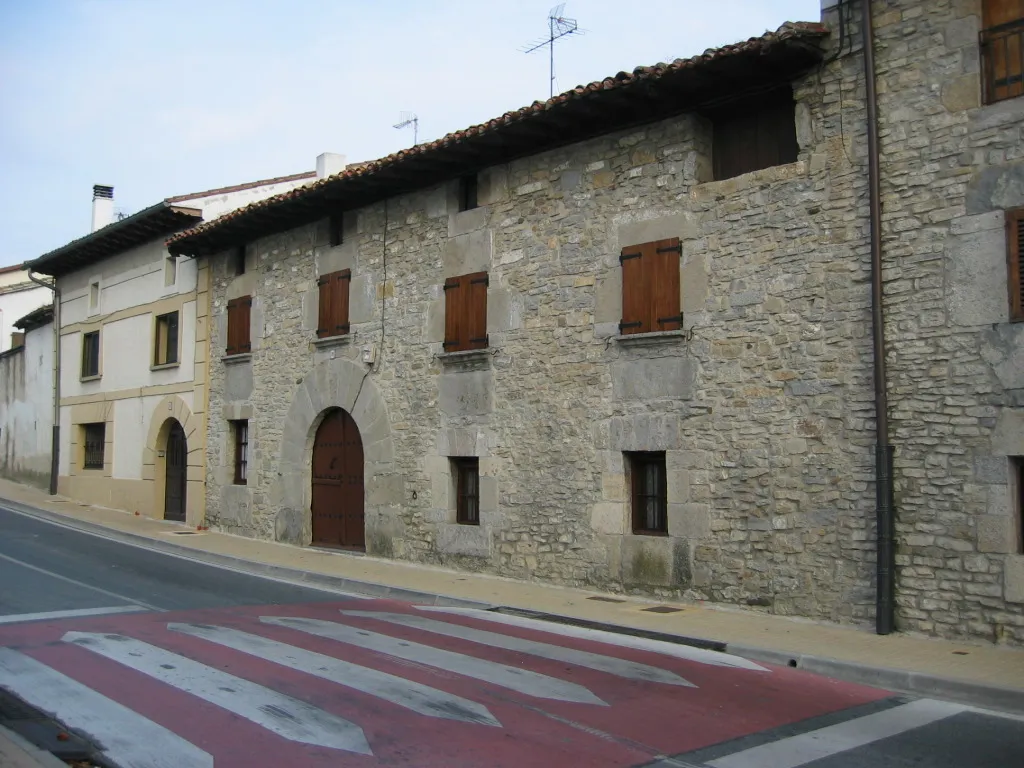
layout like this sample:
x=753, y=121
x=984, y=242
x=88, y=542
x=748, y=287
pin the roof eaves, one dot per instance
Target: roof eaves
x=35, y=319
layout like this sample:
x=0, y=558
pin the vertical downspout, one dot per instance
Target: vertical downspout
x=885, y=606
x=55, y=437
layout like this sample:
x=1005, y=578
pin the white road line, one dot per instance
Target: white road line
x=82, y=584
x=609, y=664
x=287, y=717
x=679, y=651
x=521, y=680
x=69, y=614
x=128, y=739
x=405, y=693
x=824, y=742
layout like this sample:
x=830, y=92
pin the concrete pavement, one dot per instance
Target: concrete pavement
x=984, y=675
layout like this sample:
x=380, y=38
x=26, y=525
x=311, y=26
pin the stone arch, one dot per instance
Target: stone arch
x=154, y=466
x=339, y=383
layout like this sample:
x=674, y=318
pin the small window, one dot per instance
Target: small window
x=94, y=295
x=468, y=186
x=1015, y=262
x=333, y=311
x=241, y=439
x=754, y=136
x=650, y=287
x=466, y=472
x=165, y=345
x=170, y=271
x=1002, y=50
x=649, y=492
x=238, y=325
x=94, y=437
x=336, y=229
x=90, y=354
x=236, y=261
x=465, y=312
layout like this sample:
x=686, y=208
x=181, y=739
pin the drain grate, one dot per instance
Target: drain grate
x=606, y=599
x=662, y=609
x=184, y=533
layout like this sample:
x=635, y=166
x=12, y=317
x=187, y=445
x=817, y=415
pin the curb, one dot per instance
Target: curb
x=251, y=567
x=15, y=747
x=902, y=681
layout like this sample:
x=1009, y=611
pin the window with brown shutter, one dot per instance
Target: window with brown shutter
x=750, y=137
x=465, y=312
x=1002, y=49
x=1014, y=259
x=650, y=287
x=333, y=313
x=238, y=325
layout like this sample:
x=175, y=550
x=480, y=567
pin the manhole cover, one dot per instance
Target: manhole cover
x=662, y=609
x=606, y=599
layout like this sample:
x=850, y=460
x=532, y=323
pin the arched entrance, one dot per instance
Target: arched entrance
x=337, y=508
x=177, y=474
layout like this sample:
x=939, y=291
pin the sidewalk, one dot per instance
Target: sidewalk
x=982, y=675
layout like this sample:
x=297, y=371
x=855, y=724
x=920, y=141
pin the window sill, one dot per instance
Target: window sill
x=97, y=377
x=242, y=357
x=650, y=339
x=663, y=534
x=164, y=366
x=333, y=341
x=466, y=356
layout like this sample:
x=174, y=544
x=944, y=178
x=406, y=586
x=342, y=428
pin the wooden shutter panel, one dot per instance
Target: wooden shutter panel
x=454, y=315
x=232, y=341
x=635, y=310
x=324, y=314
x=1014, y=259
x=661, y=273
x=244, y=306
x=475, y=307
x=339, y=301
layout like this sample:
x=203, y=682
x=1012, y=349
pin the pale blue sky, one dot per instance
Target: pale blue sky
x=163, y=98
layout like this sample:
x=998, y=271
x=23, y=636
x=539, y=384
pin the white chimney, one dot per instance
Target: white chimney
x=102, y=206
x=328, y=164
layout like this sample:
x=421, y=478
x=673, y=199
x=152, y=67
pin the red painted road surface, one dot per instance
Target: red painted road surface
x=639, y=722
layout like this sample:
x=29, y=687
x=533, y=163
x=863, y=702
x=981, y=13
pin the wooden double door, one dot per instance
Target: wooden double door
x=176, y=479
x=337, y=508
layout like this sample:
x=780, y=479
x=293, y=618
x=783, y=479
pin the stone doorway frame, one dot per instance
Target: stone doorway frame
x=154, y=465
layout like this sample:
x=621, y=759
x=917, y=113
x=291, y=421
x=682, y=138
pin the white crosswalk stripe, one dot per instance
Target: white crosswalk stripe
x=520, y=680
x=679, y=651
x=288, y=717
x=128, y=739
x=419, y=698
x=610, y=664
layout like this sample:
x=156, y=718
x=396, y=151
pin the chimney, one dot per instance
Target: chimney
x=328, y=164
x=102, y=206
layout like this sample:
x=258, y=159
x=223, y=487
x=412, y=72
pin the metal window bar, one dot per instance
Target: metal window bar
x=1002, y=52
x=650, y=495
x=468, y=505
x=95, y=437
x=241, y=452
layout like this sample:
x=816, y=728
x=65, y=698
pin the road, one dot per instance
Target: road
x=164, y=661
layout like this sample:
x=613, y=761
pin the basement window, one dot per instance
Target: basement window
x=749, y=137
x=94, y=438
x=466, y=473
x=1017, y=503
x=649, y=492
x=240, y=428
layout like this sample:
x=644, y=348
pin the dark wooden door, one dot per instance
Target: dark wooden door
x=338, y=483
x=177, y=474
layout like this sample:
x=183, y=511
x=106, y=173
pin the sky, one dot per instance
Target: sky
x=160, y=98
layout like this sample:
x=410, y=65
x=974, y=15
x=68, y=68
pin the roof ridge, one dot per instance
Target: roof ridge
x=239, y=187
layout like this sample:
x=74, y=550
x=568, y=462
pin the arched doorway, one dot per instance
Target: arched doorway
x=337, y=508
x=177, y=474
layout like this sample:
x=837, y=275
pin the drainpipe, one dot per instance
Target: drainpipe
x=55, y=444
x=885, y=605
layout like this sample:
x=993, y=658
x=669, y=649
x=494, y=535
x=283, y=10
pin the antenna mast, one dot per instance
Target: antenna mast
x=558, y=27
x=409, y=118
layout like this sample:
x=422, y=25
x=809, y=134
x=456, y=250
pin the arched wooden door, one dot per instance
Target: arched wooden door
x=338, y=483
x=176, y=457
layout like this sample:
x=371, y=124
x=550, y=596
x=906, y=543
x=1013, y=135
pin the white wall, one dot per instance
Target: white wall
x=16, y=304
x=26, y=408
x=129, y=438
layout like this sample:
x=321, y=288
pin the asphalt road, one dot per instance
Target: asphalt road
x=163, y=661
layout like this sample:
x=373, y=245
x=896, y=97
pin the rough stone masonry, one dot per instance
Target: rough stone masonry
x=763, y=402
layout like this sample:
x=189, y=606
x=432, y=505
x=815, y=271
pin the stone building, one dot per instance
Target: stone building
x=623, y=338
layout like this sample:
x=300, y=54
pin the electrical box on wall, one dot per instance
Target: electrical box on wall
x=370, y=354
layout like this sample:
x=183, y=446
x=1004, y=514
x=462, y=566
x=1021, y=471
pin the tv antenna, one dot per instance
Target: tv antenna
x=558, y=27
x=409, y=118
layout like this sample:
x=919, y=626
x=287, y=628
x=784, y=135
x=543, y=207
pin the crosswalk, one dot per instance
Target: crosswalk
x=131, y=740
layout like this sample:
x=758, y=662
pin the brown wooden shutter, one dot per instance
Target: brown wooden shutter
x=635, y=310
x=244, y=307
x=454, y=314
x=324, y=314
x=340, y=285
x=1014, y=259
x=231, y=347
x=661, y=273
x=475, y=307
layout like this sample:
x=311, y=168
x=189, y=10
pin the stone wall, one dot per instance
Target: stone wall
x=763, y=402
